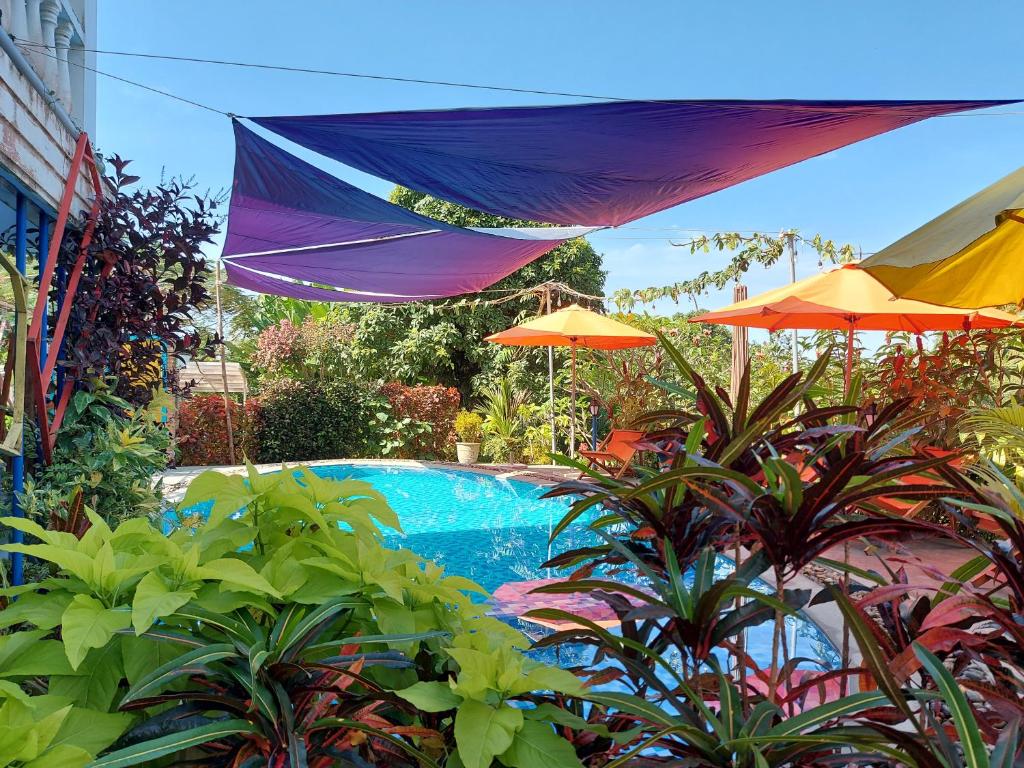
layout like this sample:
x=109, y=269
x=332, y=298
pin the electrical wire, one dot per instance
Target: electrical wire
x=135, y=83
x=475, y=86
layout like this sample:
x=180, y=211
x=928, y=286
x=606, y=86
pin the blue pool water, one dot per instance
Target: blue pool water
x=488, y=529
x=496, y=530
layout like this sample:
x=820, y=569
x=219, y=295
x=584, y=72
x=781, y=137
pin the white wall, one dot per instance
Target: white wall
x=35, y=144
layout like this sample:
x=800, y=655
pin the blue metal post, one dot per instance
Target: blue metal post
x=18, y=462
x=593, y=431
x=62, y=282
x=44, y=252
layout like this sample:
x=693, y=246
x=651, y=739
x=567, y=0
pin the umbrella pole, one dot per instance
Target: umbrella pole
x=551, y=382
x=848, y=374
x=791, y=244
x=572, y=398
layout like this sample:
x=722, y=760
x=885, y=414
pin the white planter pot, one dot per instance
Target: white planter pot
x=468, y=453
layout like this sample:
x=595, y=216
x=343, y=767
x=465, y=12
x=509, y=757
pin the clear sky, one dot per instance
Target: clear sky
x=868, y=194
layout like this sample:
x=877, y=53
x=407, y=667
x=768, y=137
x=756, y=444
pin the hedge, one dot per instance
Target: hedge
x=202, y=436
x=311, y=420
x=435, y=405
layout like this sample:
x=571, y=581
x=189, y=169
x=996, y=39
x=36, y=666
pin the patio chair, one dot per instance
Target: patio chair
x=614, y=455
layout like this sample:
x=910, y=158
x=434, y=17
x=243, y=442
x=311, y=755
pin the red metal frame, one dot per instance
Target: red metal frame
x=40, y=373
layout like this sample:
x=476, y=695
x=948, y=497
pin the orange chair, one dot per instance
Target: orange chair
x=614, y=455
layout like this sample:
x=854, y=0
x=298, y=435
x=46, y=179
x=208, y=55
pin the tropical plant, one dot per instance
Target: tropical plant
x=777, y=490
x=108, y=451
x=433, y=406
x=143, y=284
x=943, y=379
x=277, y=630
x=998, y=434
x=400, y=433
x=49, y=732
x=469, y=426
x=503, y=425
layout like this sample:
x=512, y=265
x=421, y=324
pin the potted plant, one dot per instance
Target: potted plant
x=469, y=429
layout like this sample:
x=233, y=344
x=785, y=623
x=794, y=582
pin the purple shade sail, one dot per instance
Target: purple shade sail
x=598, y=164
x=291, y=223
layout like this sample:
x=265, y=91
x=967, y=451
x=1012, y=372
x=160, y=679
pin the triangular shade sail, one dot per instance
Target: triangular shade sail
x=970, y=256
x=847, y=299
x=598, y=164
x=296, y=230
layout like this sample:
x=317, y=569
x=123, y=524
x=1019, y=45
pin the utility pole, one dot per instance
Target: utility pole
x=791, y=247
x=224, y=371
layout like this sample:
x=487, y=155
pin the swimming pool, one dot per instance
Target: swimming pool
x=495, y=530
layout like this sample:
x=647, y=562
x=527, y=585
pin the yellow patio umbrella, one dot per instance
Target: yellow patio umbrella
x=573, y=327
x=849, y=299
x=970, y=256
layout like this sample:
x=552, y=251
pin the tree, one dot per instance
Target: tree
x=442, y=341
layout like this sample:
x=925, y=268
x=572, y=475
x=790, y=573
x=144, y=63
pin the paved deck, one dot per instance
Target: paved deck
x=925, y=559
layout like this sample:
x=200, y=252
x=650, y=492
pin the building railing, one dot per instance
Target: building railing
x=50, y=35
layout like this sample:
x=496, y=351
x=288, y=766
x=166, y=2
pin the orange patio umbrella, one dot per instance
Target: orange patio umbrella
x=573, y=327
x=850, y=299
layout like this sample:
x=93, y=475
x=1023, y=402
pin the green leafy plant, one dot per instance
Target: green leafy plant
x=778, y=485
x=49, y=732
x=272, y=627
x=434, y=406
x=107, y=451
x=503, y=425
x=469, y=426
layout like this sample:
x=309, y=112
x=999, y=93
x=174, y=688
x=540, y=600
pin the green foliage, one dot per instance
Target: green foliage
x=627, y=383
x=106, y=450
x=776, y=491
x=426, y=415
x=998, y=434
x=504, y=425
x=49, y=732
x=309, y=420
x=318, y=348
x=279, y=633
x=745, y=250
x=469, y=426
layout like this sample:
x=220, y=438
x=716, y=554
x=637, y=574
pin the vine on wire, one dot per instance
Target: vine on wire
x=746, y=250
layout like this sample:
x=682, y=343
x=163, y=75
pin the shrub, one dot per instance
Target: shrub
x=106, y=451
x=469, y=426
x=202, y=436
x=311, y=420
x=126, y=323
x=434, y=405
x=278, y=349
x=318, y=348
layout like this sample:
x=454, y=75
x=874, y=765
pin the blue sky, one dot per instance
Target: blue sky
x=867, y=195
